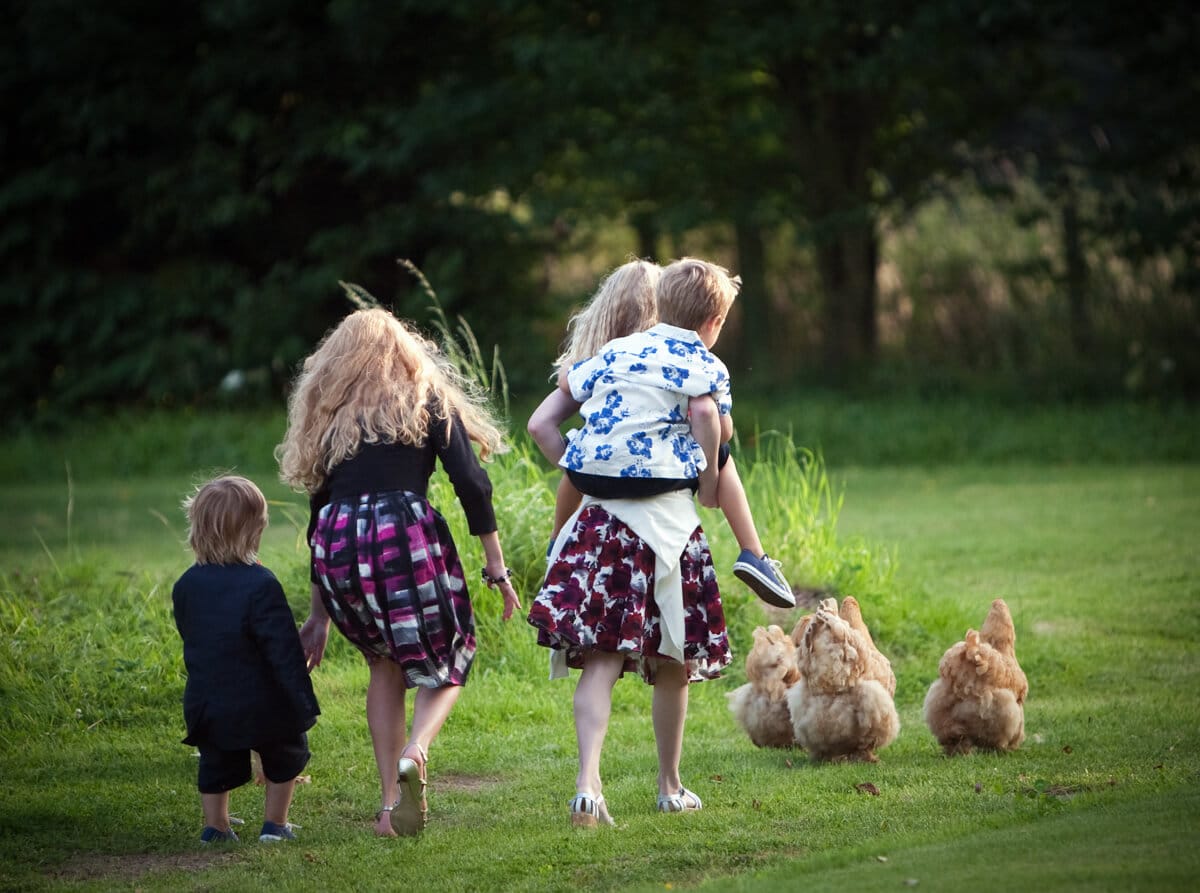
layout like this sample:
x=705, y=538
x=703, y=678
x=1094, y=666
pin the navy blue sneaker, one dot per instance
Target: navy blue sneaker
x=212, y=835
x=764, y=577
x=271, y=832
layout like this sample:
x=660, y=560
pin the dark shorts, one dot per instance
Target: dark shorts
x=224, y=770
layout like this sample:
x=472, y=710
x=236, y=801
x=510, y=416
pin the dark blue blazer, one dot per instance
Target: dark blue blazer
x=247, y=681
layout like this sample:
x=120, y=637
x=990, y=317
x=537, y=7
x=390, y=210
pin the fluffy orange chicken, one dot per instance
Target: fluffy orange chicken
x=839, y=710
x=978, y=699
x=879, y=667
x=760, y=706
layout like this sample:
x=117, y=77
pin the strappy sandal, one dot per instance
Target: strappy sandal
x=588, y=811
x=684, y=801
x=409, y=813
x=382, y=810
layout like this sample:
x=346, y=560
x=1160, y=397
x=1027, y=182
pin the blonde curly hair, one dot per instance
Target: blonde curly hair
x=375, y=379
x=623, y=304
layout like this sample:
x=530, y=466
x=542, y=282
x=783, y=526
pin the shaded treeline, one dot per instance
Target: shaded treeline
x=184, y=185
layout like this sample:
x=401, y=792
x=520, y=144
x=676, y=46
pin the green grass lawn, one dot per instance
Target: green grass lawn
x=1099, y=564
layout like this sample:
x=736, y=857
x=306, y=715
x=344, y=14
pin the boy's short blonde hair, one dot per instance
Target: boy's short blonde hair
x=226, y=519
x=693, y=291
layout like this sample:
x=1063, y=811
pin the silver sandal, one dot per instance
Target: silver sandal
x=684, y=801
x=588, y=811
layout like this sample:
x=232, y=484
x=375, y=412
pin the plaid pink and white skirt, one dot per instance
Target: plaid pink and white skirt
x=599, y=594
x=391, y=579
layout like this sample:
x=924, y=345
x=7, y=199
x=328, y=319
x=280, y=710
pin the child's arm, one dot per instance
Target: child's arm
x=726, y=422
x=543, y=427
x=543, y=424
x=273, y=629
x=496, y=569
x=314, y=633
x=708, y=426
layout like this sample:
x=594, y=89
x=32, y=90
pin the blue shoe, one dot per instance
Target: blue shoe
x=272, y=833
x=764, y=577
x=212, y=835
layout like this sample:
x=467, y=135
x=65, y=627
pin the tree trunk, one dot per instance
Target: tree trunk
x=647, y=235
x=1080, y=320
x=752, y=353
x=847, y=246
x=847, y=261
x=833, y=134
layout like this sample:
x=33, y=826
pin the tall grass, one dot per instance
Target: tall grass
x=458, y=342
x=85, y=645
x=908, y=430
x=113, y=603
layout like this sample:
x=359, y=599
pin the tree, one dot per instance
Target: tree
x=1112, y=142
x=185, y=188
x=877, y=101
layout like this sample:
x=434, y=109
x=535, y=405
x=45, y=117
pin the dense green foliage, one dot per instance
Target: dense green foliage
x=184, y=187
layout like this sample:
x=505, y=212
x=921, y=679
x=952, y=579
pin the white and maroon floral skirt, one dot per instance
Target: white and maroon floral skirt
x=599, y=595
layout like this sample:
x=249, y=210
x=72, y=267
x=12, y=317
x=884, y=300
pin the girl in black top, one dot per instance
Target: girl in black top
x=372, y=409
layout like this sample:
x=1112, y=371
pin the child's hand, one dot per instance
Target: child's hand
x=314, y=635
x=512, y=602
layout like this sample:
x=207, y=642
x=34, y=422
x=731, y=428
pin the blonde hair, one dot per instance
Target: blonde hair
x=623, y=304
x=693, y=291
x=226, y=519
x=375, y=379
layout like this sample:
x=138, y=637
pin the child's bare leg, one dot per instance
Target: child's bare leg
x=216, y=810
x=752, y=566
x=566, y=501
x=385, y=720
x=431, y=709
x=705, y=423
x=731, y=496
x=278, y=800
x=593, y=707
x=669, y=710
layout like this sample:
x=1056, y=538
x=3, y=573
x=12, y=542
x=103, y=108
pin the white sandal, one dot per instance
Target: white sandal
x=588, y=811
x=409, y=813
x=684, y=801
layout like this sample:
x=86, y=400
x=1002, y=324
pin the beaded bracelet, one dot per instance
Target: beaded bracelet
x=493, y=581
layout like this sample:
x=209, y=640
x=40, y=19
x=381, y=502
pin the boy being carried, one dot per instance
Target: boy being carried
x=656, y=409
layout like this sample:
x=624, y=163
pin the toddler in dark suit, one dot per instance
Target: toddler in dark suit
x=247, y=680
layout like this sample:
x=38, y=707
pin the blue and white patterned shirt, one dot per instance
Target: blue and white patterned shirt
x=634, y=395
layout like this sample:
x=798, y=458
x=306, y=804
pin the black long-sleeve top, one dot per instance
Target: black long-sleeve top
x=378, y=467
